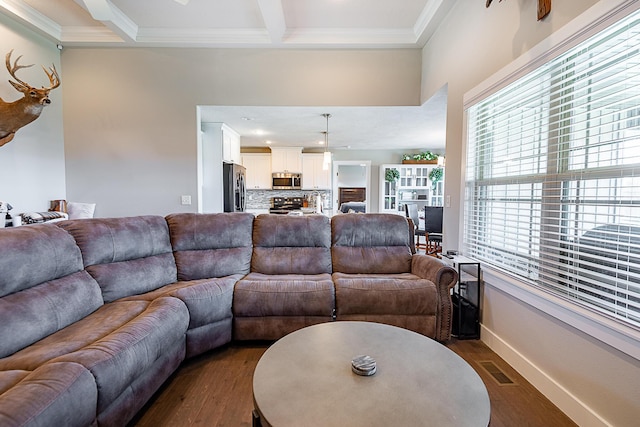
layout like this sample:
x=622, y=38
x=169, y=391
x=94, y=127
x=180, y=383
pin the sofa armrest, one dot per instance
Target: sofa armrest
x=445, y=278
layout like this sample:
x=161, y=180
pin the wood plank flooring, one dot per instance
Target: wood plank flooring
x=214, y=389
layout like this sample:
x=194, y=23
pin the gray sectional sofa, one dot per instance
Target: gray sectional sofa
x=96, y=314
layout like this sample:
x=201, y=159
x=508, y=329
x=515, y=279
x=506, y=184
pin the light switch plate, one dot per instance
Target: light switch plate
x=185, y=200
x=447, y=202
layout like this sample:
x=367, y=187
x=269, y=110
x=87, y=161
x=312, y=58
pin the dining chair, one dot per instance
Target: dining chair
x=411, y=210
x=433, y=228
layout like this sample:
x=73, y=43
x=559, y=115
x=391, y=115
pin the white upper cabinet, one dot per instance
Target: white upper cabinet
x=223, y=140
x=230, y=145
x=258, y=167
x=314, y=177
x=287, y=159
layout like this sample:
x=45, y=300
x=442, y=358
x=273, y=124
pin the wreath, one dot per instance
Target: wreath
x=391, y=175
x=436, y=175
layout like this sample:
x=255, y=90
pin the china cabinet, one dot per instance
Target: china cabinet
x=412, y=186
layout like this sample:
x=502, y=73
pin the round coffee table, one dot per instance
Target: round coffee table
x=305, y=379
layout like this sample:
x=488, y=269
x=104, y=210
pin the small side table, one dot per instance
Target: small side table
x=465, y=297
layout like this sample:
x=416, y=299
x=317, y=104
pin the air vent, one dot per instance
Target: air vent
x=496, y=373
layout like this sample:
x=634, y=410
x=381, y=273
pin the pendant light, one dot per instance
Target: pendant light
x=326, y=160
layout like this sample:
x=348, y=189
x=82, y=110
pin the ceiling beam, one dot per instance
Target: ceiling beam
x=273, y=15
x=100, y=10
x=112, y=17
x=429, y=19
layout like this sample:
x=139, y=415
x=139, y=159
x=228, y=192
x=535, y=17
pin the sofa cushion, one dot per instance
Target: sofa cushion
x=55, y=394
x=211, y=245
x=35, y=313
x=35, y=254
x=126, y=256
x=42, y=285
x=370, y=243
x=120, y=357
x=118, y=343
x=259, y=295
x=93, y=328
x=208, y=300
x=284, y=244
x=404, y=294
x=10, y=378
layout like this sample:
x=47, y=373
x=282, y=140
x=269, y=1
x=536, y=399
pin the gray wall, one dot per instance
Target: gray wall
x=377, y=158
x=32, y=165
x=130, y=114
x=591, y=381
x=352, y=176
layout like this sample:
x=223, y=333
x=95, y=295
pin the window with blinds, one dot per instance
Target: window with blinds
x=552, y=188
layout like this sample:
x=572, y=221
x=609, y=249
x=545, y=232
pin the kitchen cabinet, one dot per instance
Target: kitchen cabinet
x=314, y=177
x=258, y=167
x=230, y=145
x=288, y=159
x=220, y=137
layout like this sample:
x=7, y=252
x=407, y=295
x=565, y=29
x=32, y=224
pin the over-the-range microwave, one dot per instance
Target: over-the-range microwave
x=286, y=181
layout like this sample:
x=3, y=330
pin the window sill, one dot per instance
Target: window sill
x=617, y=335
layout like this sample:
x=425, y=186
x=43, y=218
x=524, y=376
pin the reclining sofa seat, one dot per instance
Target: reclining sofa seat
x=67, y=358
x=132, y=260
x=377, y=278
x=290, y=285
x=212, y=252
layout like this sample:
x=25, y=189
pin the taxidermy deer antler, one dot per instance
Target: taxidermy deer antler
x=544, y=7
x=14, y=115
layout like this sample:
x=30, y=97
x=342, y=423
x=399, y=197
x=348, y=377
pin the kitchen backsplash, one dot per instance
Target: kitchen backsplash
x=261, y=199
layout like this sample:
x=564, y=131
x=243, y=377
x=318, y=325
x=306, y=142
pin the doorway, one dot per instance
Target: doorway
x=351, y=178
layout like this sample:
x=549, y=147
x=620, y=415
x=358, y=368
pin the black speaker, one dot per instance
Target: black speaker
x=465, y=315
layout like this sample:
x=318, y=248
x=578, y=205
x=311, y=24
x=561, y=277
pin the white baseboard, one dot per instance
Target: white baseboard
x=574, y=408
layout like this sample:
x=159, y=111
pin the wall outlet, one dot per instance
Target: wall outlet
x=185, y=200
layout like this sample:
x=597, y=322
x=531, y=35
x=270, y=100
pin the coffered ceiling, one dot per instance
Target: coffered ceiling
x=233, y=23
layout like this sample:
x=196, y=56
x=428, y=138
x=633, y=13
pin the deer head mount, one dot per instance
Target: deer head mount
x=544, y=7
x=14, y=115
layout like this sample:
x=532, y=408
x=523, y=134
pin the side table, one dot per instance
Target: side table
x=465, y=297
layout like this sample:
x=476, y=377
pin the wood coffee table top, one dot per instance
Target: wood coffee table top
x=305, y=379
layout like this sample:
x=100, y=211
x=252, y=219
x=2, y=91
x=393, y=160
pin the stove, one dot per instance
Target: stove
x=284, y=205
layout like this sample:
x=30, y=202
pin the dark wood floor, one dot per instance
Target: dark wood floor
x=214, y=389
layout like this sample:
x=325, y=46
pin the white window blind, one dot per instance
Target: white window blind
x=553, y=175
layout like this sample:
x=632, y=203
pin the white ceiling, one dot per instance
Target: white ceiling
x=318, y=24
x=350, y=128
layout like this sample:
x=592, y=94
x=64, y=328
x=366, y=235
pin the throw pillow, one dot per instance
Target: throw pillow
x=80, y=210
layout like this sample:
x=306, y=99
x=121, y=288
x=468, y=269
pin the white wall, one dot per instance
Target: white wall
x=32, y=169
x=130, y=114
x=592, y=382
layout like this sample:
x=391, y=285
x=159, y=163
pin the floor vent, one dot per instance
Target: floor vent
x=496, y=373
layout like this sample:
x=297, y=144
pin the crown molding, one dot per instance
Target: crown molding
x=32, y=18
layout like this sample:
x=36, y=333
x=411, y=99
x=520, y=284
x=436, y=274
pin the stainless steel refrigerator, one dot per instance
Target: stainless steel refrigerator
x=233, y=181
